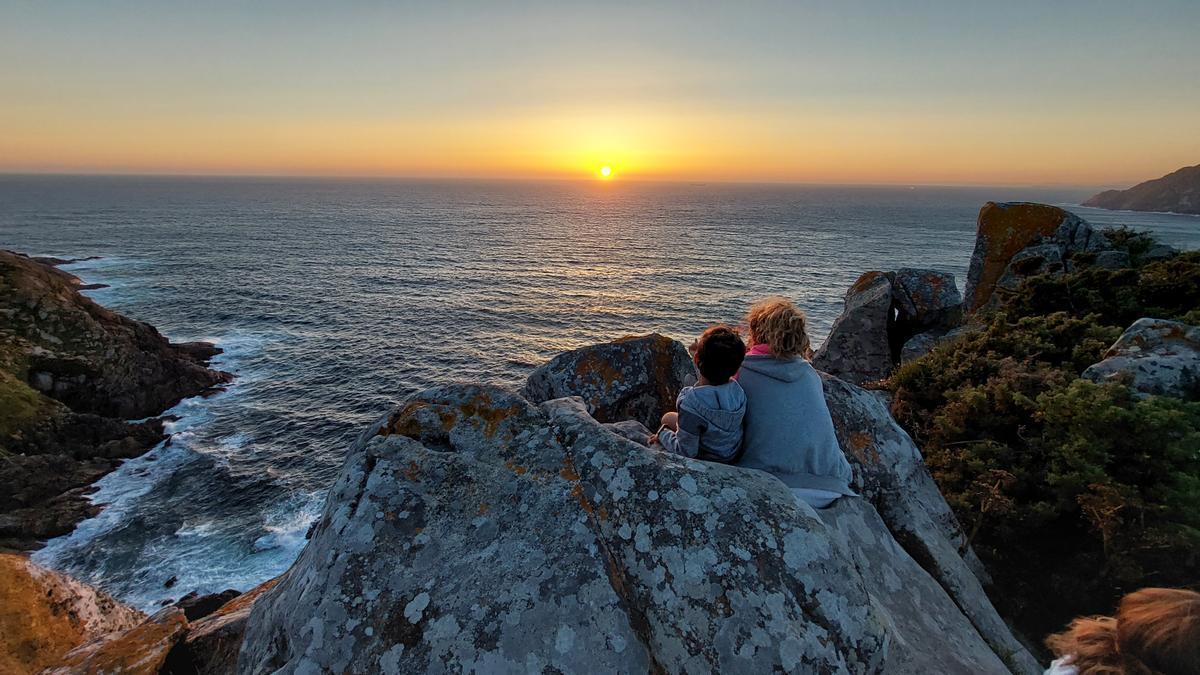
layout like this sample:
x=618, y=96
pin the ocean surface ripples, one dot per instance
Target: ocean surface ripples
x=333, y=299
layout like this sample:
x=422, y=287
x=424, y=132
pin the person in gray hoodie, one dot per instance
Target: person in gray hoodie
x=707, y=423
x=788, y=430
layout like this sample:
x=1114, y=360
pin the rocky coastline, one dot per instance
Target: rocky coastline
x=482, y=528
x=82, y=388
x=1176, y=192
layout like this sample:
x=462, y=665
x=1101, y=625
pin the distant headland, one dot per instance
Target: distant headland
x=1176, y=192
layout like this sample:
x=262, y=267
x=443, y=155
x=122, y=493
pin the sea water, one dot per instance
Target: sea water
x=334, y=299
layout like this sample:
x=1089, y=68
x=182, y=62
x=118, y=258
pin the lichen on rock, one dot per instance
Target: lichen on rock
x=473, y=530
x=1153, y=356
x=633, y=378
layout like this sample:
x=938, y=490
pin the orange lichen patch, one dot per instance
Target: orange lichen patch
x=865, y=281
x=412, y=472
x=404, y=421
x=414, y=419
x=616, y=576
x=602, y=514
x=577, y=493
x=1007, y=229
x=862, y=446
x=137, y=651
x=568, y=471
x=490, y=416
x=516, y=468
x=591, y=366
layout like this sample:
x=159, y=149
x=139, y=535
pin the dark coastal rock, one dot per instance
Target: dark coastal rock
x=599, y=554
x=925, y=299
x=71, y=373
x=1154, y=356
x=211, y=644
x=140, y=650
x=1159, y=251
x=44, y=614
x=858, y=347
x=196, y=606
x=884, y=310
x=55, y=262
x=921, y=344
x=1031, y=261
x=1176, y=192
x=634, y=378
x=1006, y=230
x=1112, y=260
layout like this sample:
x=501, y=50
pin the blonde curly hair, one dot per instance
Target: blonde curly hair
x=778, y=323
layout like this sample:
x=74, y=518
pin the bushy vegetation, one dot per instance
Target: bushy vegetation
x=1072, y=493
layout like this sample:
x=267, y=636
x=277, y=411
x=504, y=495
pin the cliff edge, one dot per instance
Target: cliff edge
x=71, y=374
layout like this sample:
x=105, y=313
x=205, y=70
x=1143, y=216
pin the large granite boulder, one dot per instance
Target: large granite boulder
x=883, y=312
x=44, y=614
x=634, y=378
x=1154, y=356
x=473, y=530
x=140, y=650
x=71, y=374
x=890, y=473
x=911, y=599
x=1006, y=229
x=858, y=346
x=925, y=300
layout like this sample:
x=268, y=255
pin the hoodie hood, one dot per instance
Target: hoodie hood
x=722, y=405
x=784, y=370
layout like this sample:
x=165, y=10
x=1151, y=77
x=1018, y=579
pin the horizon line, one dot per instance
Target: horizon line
x=531, y=179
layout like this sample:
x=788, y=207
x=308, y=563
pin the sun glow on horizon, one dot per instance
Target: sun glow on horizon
x=861, y=93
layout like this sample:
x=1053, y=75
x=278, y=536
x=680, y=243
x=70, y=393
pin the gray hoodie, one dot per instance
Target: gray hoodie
x=788, y=430
x=710, y=422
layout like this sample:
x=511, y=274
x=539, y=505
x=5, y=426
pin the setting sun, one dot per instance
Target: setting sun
x=606, y=171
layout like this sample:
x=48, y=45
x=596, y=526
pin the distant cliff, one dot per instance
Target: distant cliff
x=71, y=374
x=1177, y=192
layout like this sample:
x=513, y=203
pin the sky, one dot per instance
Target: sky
x=1095, y=93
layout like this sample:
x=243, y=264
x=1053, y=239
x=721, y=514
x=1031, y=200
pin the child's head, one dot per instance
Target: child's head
x=779, y=324
x=1156, y=630
x=719, y=354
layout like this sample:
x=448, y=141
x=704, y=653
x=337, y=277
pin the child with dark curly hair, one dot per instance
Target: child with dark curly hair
x=707, y=423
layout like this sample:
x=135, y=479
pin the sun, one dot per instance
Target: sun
x=606, y=172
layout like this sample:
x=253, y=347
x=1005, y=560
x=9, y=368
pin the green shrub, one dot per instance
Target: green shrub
x=1073, y=493
x=1168, y=289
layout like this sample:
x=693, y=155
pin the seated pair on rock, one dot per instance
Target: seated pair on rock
x=761, y=408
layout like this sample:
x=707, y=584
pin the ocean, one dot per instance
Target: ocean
x=334, y=299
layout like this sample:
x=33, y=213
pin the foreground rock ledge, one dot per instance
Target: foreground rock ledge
x=474, y=530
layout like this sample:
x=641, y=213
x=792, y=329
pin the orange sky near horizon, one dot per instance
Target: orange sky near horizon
x=837, y=99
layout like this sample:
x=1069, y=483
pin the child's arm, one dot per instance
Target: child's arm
x=686, y=441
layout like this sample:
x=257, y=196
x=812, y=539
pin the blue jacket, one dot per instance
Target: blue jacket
x=788, y=430
x=710, y=422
